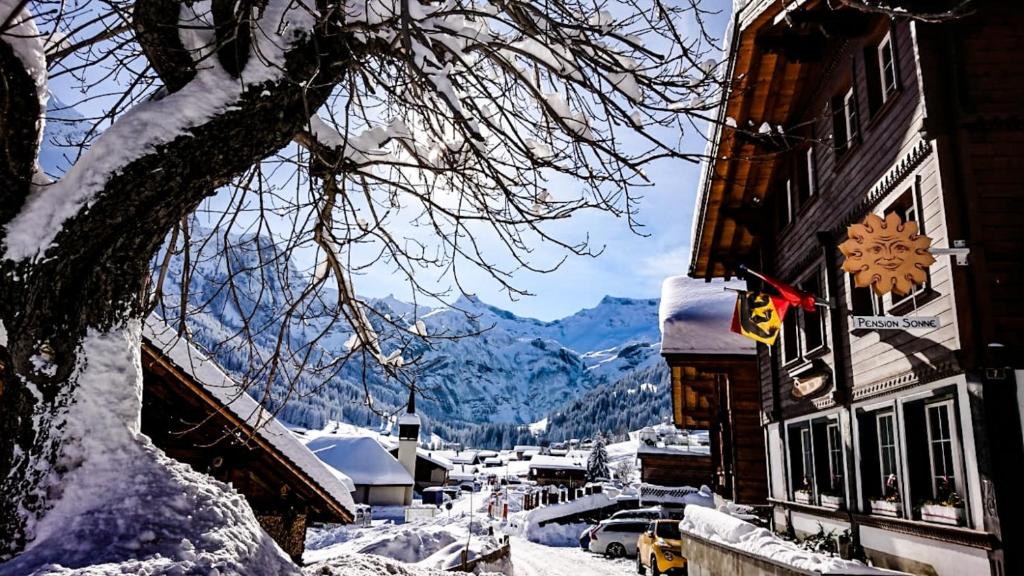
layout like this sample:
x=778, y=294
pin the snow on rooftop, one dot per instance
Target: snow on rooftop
x=555, y=463
x=222, y=387
x=362, y=459
x=696, y=318
x=434, y=457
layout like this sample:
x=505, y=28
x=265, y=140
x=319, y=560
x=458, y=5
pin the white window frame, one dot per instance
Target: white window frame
x=790, y=205
x=891, y=415
x=835, y=454
x=953, y=441
x=883, y=77
x=807, y=451
x=851, y=117
x=812, y=186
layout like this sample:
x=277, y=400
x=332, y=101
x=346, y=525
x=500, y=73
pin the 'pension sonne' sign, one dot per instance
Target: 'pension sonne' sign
x=895, y=322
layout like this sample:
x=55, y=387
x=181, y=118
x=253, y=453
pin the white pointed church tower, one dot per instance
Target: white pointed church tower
x=408, y=438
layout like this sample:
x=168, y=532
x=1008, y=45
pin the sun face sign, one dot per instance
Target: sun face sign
x=889, y=255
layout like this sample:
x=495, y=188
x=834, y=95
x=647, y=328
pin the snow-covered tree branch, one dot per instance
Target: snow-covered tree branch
x=390, y=135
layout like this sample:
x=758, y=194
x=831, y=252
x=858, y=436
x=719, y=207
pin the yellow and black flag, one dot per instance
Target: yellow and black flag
x=759, y=316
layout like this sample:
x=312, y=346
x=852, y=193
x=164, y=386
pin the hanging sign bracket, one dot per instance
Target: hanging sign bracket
x=959, y=252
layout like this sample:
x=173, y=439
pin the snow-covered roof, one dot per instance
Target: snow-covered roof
x=464, y=457
x=673, y=449
x=206, y=373
x=526, y=448
x=434, y=457
x=696, y=318
x=362, y=459
x=555, y=463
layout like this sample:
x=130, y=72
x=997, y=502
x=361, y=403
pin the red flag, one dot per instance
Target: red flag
x=793, y=296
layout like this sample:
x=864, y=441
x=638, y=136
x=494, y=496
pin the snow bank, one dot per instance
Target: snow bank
x=436, y=543
x=735, y=533
x=122, y=506
x=696, y=317
x=562, y=535
x=365, y=565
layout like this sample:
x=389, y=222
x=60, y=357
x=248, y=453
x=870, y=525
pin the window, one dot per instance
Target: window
x=845, y=123
x=787, y=204
x=790, y=340
x=850, y=111
x=813, y=322
x=886, y=423
x=908, y=207
x=940, y=445
x=809, y=173
x=864, y=301
x=807, y=458
x=835, y=457
x=803, y=332
x=806, y=186
x=887, y=67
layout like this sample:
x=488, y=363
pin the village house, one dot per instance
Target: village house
x=197, y=415
x=908, y=438
x=432, y=469
x=714, y=388
x=558, y=471
x=379, y=479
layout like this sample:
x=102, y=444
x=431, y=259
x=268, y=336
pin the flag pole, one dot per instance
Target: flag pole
x=743, y=268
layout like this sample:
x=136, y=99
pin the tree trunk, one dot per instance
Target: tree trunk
x=69, y=358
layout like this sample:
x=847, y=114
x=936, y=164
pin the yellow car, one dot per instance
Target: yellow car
x=659, y=548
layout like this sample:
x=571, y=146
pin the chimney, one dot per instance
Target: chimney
x=408, y=438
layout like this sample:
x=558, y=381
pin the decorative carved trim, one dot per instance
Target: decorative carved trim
x=899, y=171
x=950, y=534
x=908, y=380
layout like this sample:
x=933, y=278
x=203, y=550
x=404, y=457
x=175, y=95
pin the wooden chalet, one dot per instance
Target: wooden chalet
x=910, y=439
x=714, y=388
x=558, y=471
x=198, y=415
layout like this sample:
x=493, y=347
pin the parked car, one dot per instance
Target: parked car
x=470, y=486
x=652, y=513
x=616, y=538
x=659, y=548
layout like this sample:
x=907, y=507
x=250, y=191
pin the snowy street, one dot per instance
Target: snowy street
x=530, y=559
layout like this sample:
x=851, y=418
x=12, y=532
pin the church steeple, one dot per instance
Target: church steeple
x=408, y=438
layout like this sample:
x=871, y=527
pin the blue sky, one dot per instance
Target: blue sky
x=631, y=265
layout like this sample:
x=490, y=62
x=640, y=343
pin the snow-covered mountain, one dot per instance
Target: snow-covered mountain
x=509, y=370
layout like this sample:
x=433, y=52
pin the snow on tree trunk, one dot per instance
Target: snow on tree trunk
x=597, y=462
x=120, y=500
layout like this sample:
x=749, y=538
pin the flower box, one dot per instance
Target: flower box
x=887, y=508
x=832, y=502
x=802, y=496
x=942, y=514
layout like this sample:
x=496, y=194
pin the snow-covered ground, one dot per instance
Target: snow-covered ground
x=530, y=559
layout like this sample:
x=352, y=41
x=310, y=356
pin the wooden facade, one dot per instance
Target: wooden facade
x=719, y=393
x=192, y=426
x=882, y=116
x=667, y=469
